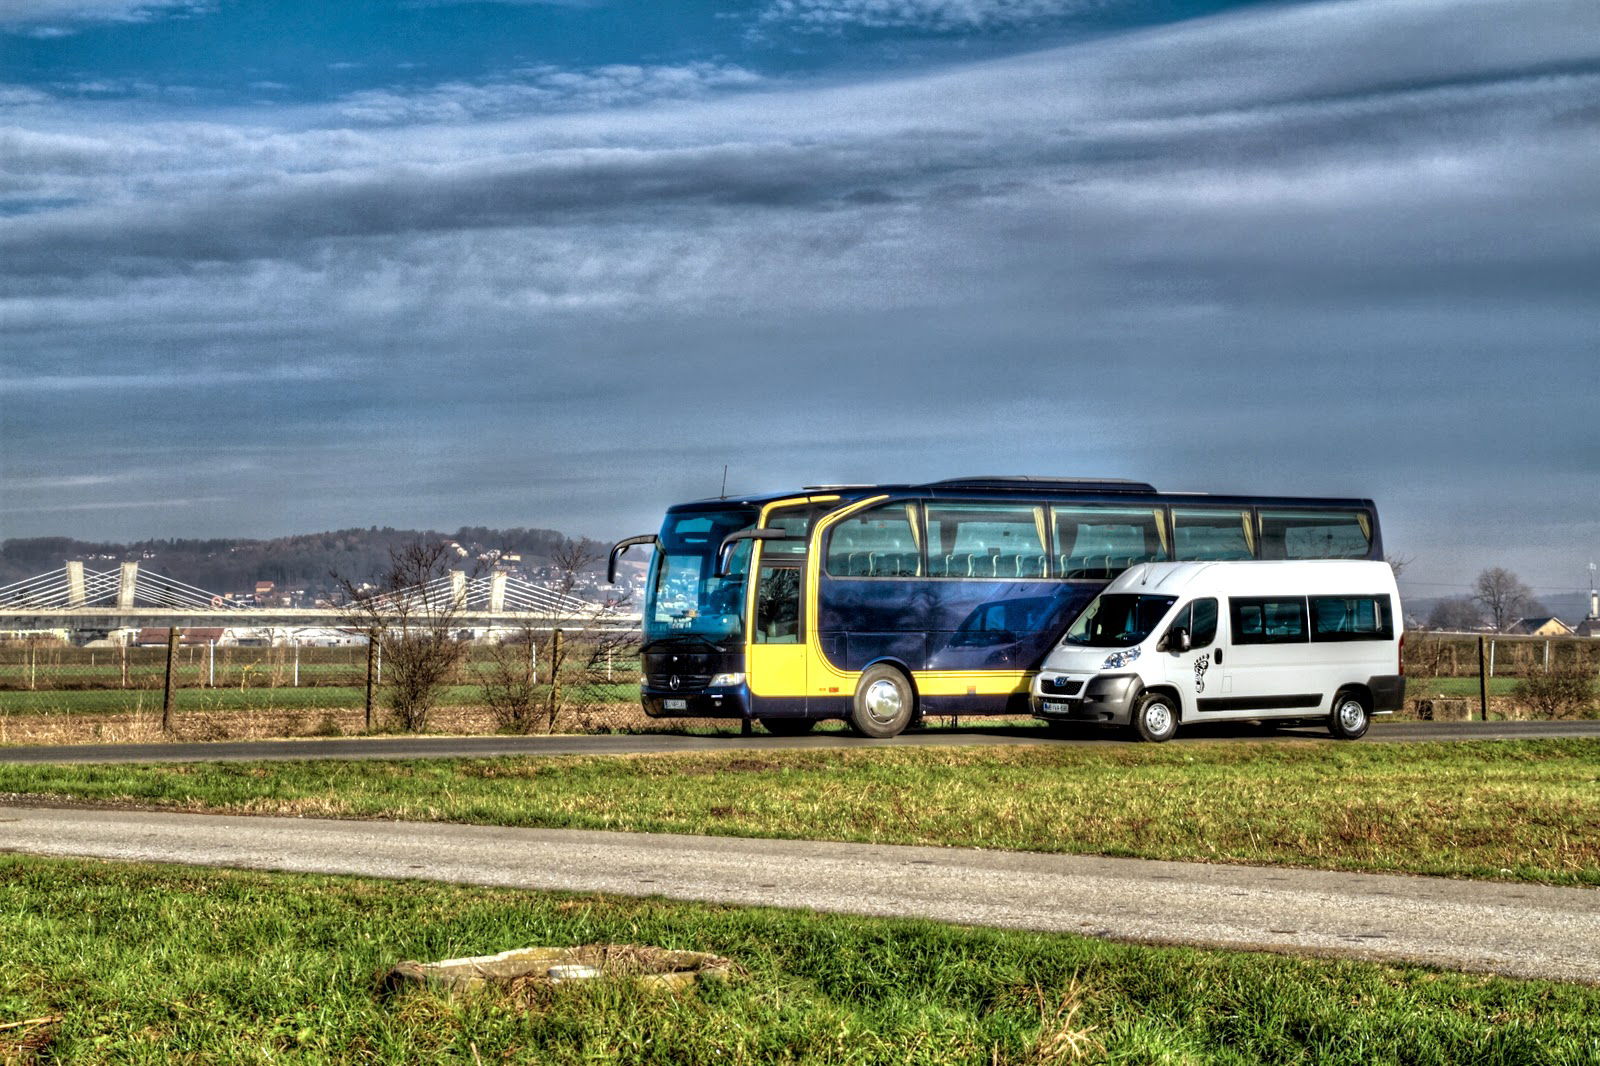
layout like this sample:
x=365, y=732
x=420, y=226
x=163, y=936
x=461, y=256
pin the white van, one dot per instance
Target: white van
x=1172, y=643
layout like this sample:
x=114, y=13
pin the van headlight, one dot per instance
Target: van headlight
x=1118, y=659
x=727, y=680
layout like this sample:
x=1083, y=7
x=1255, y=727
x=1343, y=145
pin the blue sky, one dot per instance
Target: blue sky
x=269, y=267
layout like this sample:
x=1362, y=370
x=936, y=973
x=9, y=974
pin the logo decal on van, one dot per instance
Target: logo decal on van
x=1201, y=665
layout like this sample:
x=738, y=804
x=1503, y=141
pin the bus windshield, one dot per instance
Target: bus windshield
x=684, y=596
x=1118, y=621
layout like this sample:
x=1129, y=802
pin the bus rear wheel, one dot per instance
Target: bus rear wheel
x=884, y=703
x=787, y=727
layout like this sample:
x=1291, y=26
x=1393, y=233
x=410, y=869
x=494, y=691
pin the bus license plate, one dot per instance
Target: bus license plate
x=1058, y=707
x=675, y=705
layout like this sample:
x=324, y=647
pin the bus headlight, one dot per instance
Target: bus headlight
x=727, y=680
x=1118, y=659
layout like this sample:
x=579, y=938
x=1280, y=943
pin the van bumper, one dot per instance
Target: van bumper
x=1107, y=699
x=1388, y=693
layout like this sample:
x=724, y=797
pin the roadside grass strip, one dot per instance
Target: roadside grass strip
x=1525, y=810
x=126, y=963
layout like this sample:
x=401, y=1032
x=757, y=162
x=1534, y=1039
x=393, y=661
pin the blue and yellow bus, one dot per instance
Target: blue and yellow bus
x=880, y=604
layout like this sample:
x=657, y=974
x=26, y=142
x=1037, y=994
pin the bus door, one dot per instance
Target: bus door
x=777, y=652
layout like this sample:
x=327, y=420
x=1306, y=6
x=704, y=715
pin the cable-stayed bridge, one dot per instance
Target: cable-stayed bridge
x=75, y=597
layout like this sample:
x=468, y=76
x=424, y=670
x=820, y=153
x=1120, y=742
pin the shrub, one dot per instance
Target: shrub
x=1561, y=692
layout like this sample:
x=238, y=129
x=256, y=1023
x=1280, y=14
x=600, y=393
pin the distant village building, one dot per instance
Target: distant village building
x=1540, y=627
x=156, y=636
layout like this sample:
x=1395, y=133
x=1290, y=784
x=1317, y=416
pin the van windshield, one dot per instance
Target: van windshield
x=1118, y=620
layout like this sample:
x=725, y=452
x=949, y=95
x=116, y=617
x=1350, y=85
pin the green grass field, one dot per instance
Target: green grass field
x=149, y=964
x=1517, y=810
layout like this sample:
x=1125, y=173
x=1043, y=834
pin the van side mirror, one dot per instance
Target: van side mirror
x=1177, y=640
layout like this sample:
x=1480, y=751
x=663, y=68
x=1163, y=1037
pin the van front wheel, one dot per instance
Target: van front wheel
x=1155, y=718
x=1349, y=718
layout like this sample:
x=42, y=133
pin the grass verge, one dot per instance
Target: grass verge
x=1513, y=810
x=159, y=964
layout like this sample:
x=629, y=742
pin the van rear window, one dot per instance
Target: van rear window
x=1336, y=618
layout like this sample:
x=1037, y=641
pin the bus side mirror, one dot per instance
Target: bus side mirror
x=764, y=533
x=1177, y=639
x=623, y=545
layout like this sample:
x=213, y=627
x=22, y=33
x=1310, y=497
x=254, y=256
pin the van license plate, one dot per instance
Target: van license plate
x=675, y=705
x=1058, y=706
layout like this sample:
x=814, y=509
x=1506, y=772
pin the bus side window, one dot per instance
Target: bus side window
x=995, y=541
x=1213, y=534
x=1101, y=542
x=1315, y=535
x=876, y=543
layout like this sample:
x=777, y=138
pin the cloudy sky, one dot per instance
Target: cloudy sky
x=271, y=266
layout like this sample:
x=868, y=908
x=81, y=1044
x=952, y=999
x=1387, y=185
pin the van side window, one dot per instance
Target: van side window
x=1351, y=618
x=1203, y=624
x=1268, y=621
x=1200, y=619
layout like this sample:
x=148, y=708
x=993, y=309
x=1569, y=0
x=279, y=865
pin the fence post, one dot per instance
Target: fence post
x=295, y=641
x=1547, y=656
x=533, y=658
x=33, y=664
x=124, y=664
x=1483, y=681
x=211, y=664
x=372, y=656
x=166, y=692
x=556, y=640
x=1491, y=656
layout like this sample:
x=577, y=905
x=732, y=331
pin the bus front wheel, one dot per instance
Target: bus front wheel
x=884, y=703
x=787, y=727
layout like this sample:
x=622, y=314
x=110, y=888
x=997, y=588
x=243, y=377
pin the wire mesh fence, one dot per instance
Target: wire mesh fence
x=1457, y=654
x=537, y=682
x=534, y=682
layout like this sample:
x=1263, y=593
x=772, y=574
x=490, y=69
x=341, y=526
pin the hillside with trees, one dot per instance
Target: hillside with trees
x=300, y=561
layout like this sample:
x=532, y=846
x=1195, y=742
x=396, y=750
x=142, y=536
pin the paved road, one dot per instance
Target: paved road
x=646, y=743
x=1517, y=930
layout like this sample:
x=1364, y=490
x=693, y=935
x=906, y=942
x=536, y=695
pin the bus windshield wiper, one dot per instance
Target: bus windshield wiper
x=677, y=638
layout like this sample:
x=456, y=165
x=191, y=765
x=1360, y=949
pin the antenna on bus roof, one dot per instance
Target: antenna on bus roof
x=724, y=481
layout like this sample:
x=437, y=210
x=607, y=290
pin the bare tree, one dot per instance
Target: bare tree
x=414, y=610
x=547, y=667
x=1503, y=596
x=1398, y=564
x=1459, y=614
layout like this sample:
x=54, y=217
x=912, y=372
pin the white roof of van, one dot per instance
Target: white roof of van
x=1257, y=578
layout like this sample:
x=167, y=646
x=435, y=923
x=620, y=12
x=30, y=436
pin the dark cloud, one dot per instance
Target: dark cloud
x=1338, y=247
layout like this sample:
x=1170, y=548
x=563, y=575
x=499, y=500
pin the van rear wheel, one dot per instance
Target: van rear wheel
x=884, y=703
x=1350, y=717
x=1155, y=718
